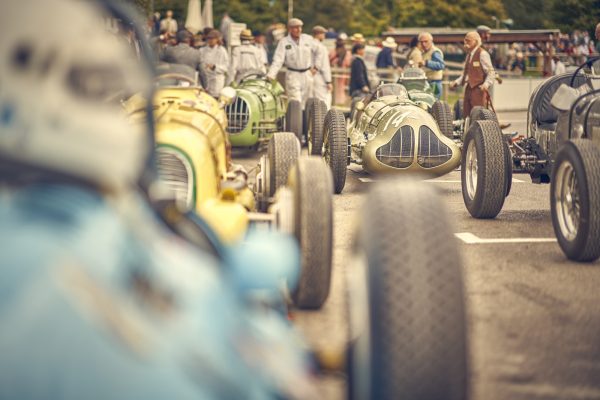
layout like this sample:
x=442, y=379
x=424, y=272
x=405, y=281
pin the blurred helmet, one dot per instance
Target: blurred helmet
x=59, y=93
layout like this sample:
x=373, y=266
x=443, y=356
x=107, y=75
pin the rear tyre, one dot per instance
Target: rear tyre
x=315, y=119
x=458, y=109
x=483, y=170
x=479, y=113
x=575, y=199
x=335, y=147
x=508, y=163
x=416, y=346
x=283, y=153
x=293, y=118
x=310, y=181
x=443, y=116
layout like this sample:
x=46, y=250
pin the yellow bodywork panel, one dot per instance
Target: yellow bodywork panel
x=229, y=219
x=192, y=123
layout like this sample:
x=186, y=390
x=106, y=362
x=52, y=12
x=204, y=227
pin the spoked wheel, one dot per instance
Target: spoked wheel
x=443, y=116
x=407, y=315
x=575, y=200
x=293, y=118
x=335, y=147
x=315, y=119
x=483, y=170
x=310, y=181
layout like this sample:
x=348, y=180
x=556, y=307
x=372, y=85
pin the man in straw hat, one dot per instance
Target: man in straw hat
x=246, y=58
x=215, y=63
x=478, y=75
x=322, y=85
x=297, y=51
x=433, y=62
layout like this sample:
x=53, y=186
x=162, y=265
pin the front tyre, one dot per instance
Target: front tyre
x=483, y=170
x=442, y=114
x=335, y=147
x=310, y=181
x=315, y=119
x=283, y=151
x=412, y=342
x=575, y=199
x=293, y=118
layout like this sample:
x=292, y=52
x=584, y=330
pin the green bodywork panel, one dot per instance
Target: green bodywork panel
x=257, y=112
x=418, y=89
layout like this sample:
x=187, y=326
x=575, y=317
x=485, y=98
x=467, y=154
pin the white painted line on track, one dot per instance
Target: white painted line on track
x=470, y=238
x=370, y=180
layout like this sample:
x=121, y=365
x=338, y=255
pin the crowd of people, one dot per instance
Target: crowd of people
x=309, y=62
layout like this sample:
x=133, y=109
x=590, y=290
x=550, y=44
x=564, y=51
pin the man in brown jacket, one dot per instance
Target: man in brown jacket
x=478, y=75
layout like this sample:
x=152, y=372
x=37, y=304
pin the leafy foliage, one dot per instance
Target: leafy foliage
x=371, y=17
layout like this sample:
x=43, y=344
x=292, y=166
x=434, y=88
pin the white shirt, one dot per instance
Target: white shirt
x=169, y=25
x=486, y=65
x=245, y=59
x=218, y=57
x=296, y=55
x=322, y=61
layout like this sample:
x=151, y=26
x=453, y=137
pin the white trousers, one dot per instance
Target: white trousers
x=298, y=86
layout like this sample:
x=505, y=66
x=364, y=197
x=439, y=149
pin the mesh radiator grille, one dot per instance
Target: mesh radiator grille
x=175, y=171
x=399, y=151
x=432, y=152
x=238, y=114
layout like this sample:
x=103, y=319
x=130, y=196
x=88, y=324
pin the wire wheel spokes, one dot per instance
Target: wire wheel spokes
x=568, y=204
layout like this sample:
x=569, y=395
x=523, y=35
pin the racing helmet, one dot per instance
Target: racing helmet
x=62, y=76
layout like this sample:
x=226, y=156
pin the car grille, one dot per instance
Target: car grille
x=398, y=152
x=176, y=172
x=432, y=152
x=238, y=114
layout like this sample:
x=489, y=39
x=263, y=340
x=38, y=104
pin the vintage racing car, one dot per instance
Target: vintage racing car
x=389, y=133
x=562, y=148
x=259, y=110
x=293, y=193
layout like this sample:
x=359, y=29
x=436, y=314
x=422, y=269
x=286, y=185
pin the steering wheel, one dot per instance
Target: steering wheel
x=258, y=75
x=588, y=64
x=179, y=77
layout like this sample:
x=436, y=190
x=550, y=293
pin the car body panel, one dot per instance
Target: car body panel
x=256, y=113
x=382, y=119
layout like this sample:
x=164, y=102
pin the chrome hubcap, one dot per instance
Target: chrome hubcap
x=567, y=202
x=471, y=170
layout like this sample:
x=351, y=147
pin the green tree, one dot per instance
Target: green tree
x=569, y=15
x=529, y=14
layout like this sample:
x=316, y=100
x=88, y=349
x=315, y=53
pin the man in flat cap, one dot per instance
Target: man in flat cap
x=183, y=52
x=485, y=32
x=246, y=58
x=478, y=75
x=297, y=51
x=322, y=85
x=215, y=63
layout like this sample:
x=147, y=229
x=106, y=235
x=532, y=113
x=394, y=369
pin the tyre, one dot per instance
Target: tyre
x=335, y=147
x=315, y=119
x=293, y=118
x=458, y=109
x=483, y=170
x=283, y=153
x=311, y=182
x=508, y=163
x=479, y=113
x=413, y=344
x=443, y=116
x=575, y=199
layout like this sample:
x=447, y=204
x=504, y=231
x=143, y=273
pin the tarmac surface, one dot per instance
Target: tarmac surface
x=533, y=316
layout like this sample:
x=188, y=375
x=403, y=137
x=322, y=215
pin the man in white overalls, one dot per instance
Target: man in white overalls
x=215, y=63
x=246, y=58
x=297, y=51
x=322, y=79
